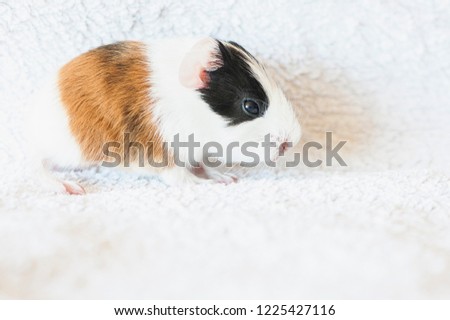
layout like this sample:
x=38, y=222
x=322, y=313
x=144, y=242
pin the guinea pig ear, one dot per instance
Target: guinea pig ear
x=202, y=57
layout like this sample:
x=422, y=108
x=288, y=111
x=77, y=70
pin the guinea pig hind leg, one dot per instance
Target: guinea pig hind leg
x=50, y=183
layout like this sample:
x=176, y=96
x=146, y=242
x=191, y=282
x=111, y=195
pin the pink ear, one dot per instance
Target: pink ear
x=201, y=57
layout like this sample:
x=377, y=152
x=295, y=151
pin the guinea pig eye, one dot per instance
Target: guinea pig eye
x=251, y=107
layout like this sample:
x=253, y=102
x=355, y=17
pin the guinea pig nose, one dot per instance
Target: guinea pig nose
x=283, y=147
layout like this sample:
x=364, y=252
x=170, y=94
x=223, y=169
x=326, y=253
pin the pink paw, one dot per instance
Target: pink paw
x=224, y=178
x=73, y=188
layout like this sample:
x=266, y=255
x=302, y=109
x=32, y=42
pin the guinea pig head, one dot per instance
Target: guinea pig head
x=236, y=87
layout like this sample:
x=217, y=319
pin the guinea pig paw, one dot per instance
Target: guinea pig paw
x=225, y=178
x=50, y=184
x=73, y=188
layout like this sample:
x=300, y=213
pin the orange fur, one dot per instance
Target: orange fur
x=106, y=93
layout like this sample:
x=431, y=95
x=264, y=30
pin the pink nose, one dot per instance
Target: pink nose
x=283, y=147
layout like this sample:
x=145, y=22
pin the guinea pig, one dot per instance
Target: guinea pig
x=157, y=92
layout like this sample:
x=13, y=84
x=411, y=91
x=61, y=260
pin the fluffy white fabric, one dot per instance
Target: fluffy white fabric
x=376, y=74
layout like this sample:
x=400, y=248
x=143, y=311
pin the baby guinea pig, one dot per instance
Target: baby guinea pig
x=154, y=93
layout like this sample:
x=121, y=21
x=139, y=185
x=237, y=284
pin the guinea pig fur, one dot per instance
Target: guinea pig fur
x=154, y=92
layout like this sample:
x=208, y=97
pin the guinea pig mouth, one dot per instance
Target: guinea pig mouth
x=283, y=148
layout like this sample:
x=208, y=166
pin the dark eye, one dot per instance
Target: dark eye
x=251, y=107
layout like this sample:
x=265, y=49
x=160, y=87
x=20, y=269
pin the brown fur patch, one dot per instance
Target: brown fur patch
x=106, y=92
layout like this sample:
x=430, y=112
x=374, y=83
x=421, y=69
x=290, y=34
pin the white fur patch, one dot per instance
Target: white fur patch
x=48, y=129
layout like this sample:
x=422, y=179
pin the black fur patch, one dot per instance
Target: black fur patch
x=230, y=84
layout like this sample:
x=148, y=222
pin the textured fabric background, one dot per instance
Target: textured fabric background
x=375, y=73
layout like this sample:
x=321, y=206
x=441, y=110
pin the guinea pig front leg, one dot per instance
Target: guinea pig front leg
x=218, y=176
x=51, y=184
